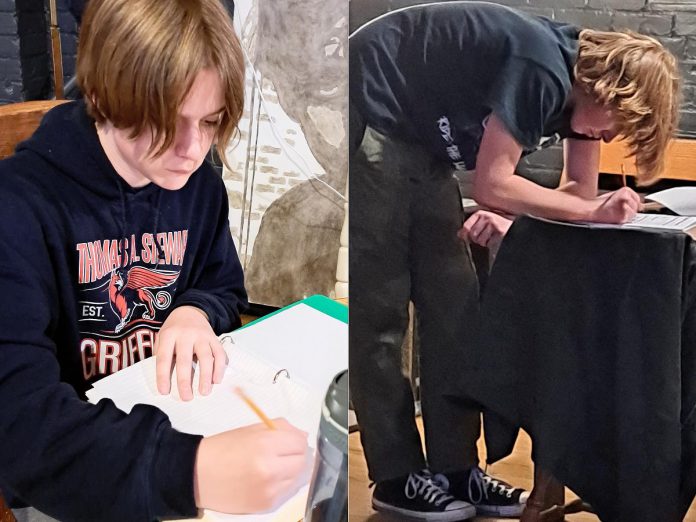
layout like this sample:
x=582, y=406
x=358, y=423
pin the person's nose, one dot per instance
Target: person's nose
x=189, y=142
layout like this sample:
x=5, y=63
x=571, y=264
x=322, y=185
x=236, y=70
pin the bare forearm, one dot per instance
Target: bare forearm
x=496, y=186
x=582, y=190
x=517, y=195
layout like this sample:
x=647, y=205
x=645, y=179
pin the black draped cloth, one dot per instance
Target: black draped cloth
x=588, y=342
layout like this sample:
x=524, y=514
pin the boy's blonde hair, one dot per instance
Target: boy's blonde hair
x=639, y=78
x=137, y=60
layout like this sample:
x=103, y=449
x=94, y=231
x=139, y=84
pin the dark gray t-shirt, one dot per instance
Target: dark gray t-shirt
x=432, y=74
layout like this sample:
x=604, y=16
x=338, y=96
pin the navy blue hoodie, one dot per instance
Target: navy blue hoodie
x=89, y=269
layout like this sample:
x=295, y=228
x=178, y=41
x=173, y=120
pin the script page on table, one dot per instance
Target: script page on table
x=640, y=221
x=653, y=221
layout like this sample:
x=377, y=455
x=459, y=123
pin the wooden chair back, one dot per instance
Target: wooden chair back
x=18, y=121
x=680, y=164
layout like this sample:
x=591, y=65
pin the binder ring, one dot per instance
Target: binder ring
x=283, y=370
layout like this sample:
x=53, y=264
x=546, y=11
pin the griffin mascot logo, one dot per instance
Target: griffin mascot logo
x=135, y=288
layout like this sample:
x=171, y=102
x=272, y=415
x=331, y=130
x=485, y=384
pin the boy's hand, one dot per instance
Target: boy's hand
x=186, y=333
x=485, y=228
x=249, y=469
x=619, y=206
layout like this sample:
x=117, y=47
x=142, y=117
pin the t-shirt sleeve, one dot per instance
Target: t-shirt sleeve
x=525, y=97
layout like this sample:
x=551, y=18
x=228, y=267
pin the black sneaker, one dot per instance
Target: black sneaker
x=491, y=496
x=418, y=496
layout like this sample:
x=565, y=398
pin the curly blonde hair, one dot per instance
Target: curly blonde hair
x=636, y=76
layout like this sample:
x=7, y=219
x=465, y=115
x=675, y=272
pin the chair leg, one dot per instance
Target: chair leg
x=545, y=503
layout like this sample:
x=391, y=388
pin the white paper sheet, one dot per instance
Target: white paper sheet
x=222, y=409
x=681, y=200
x=651, y=221
x=311, y=345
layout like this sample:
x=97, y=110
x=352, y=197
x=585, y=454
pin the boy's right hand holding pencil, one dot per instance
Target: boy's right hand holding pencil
x=618, y=206
x=250, y=469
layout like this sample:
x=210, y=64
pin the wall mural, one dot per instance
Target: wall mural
x=287, y=227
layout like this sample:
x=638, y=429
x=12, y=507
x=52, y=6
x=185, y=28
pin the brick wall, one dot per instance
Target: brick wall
x=26, y=71
x=673, y=23
x=10, y=65
x=24, y=58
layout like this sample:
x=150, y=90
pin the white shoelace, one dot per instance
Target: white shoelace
x=422, y=484
x=503, y=488
x=482, y=484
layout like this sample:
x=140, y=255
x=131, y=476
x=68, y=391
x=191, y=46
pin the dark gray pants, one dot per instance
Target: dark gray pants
x=405, y=211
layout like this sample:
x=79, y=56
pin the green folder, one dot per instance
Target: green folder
x=318, y=302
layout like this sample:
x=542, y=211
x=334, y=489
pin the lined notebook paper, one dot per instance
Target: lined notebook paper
x=309, y=345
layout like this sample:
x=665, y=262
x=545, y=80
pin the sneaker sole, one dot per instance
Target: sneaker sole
x=444, y=516
x=501, y=511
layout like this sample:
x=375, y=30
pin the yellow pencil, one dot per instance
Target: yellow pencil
x=254, y=407
x=623, y=174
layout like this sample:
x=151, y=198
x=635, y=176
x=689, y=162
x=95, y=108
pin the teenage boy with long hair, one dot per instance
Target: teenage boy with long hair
x=471, y=86
x=116, y=245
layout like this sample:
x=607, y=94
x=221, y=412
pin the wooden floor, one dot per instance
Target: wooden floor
x=516, y=469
